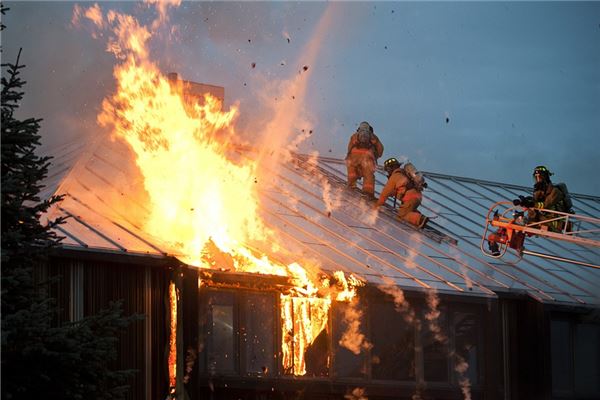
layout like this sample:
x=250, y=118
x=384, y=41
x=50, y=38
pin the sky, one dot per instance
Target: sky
x=485, y=90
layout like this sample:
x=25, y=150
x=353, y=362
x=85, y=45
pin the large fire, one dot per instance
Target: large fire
x=202, y=202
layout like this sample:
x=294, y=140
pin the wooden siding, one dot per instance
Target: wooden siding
x=513, y=350
x=142, y=289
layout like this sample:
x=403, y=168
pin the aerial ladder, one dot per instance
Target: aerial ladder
x=506, y=230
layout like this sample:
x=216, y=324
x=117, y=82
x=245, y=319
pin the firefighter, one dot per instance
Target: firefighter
x=545, y=195
x=364, y=148
x=400, y=185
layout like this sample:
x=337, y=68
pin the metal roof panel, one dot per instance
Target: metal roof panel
x=308, y=205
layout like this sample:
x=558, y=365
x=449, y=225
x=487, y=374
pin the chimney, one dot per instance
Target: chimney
x=172, y=77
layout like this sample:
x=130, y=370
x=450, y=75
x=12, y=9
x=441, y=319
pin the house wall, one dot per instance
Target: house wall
x=403, y=357
x=574, y=351
x=550, y=352
x=87, y=285
x=229, y=339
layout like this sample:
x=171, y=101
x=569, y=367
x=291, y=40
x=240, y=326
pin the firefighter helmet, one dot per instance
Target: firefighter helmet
x=542, y=173
x=364, y=126
x=390, y=165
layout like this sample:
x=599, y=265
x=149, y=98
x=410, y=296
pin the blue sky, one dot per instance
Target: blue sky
x=486, y=90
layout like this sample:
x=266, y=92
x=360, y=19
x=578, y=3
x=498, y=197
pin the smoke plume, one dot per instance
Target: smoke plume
x=352, y=339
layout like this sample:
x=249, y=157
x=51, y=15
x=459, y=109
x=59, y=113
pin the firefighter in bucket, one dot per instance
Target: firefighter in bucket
x=546, y=196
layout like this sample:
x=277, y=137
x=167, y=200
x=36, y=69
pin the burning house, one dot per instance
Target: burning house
x=261, y=276
x=338, y=302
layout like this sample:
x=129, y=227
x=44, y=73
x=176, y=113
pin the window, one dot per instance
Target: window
x=562, y=367
x=317, y=355
x=221, y=333
x=442, y=348
x=239, y=332
x=575, y=352
x=257, y=334
x=393, y=351
x=305, y=336
x=434, y=339
x=587, y=360
x=466, y=345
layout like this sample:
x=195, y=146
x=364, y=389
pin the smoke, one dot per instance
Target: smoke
x=417, y=395
x=288, y=99
x=461, y=265
x=465, y=384
x=162, y=6
x=400, y=303
x=432, y=316
x=352, y=339
x=332, y=198
x=368, y=213
x=93, y=13
x=356, y=394
x=190, y=360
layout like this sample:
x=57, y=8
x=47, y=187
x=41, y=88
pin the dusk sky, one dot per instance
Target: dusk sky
x=484, y=90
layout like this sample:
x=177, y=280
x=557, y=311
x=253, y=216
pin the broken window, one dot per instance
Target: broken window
x=317, y=355
x=304, y=336
x=393, y=339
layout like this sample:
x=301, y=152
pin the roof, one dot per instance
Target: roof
x=343, y=233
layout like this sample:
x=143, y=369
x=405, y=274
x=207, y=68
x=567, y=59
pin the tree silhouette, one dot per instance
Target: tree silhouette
x=41, y=358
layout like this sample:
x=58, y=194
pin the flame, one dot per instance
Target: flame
x=196, y=193
x=201, y=199
x=172, y=361
x=303, y=320
x=348, y=285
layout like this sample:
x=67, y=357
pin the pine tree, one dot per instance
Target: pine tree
x=41, y=359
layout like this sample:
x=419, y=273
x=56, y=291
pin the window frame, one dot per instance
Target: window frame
x=237, y=299
x=573, y=322
x=451, y=309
